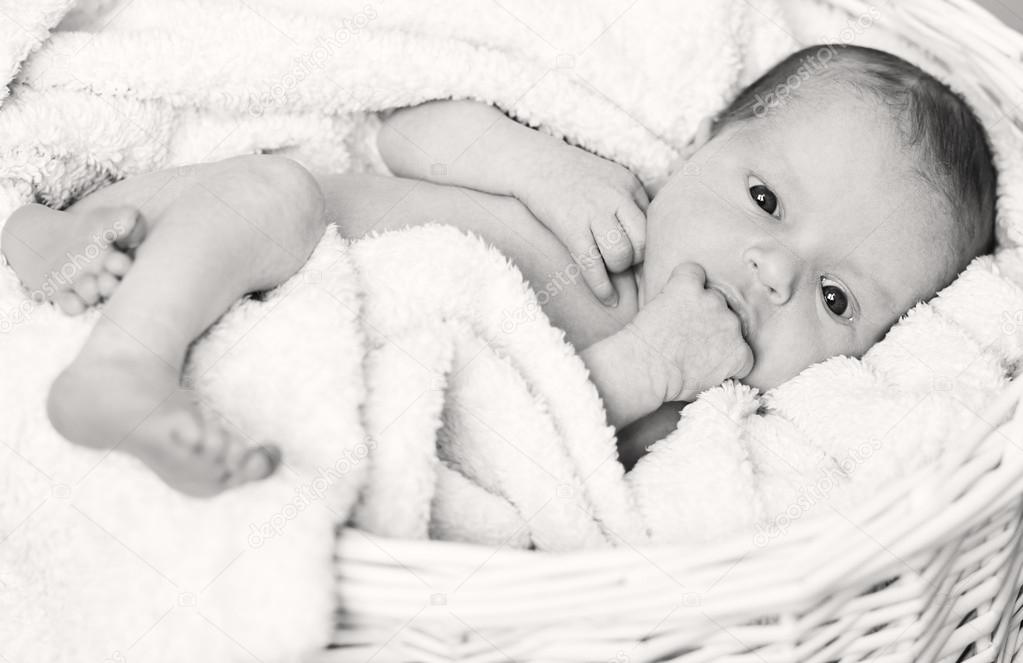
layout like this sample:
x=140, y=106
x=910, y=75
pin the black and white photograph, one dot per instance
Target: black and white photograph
x=562, y=331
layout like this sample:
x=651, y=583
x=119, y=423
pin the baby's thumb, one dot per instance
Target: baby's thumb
x=744, y=361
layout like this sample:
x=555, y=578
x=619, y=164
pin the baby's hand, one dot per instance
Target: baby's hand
x=594, y=206
x=693, y=339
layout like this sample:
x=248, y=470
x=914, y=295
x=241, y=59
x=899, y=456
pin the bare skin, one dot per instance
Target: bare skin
x=123, y=389
x=77, y=264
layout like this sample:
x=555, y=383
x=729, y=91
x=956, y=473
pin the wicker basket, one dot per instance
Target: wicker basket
x=929, y=570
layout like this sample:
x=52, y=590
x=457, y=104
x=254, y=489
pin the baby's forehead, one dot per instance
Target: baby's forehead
x=850, y=156
x=824, y=150
x=833, y=109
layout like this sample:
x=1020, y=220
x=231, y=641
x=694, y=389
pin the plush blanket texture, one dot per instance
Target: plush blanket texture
x=388, y=369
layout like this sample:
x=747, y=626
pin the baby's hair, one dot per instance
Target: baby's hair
x=953, y=146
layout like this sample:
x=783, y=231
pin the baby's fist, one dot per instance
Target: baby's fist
x=693, y=335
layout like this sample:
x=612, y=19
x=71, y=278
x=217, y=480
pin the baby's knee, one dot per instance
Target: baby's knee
x=293, y=192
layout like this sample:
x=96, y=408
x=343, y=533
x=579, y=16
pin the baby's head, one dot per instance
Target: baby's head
x=837, y=191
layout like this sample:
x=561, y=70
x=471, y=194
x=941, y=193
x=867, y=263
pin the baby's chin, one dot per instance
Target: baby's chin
x=751, y=380
x=765, y=377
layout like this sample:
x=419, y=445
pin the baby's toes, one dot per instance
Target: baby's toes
x=201, y=448
x=119, y=226
x=69, y=302
x=129, y=226
x=106, y=284
x=186, y=432
x=258, y=462
x=86, y=288
x=117, y=263
x=245, y=463
x=222, y=445
x=215, y=442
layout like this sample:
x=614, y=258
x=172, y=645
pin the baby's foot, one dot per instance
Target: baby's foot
x=72, y=260
x=129, y=400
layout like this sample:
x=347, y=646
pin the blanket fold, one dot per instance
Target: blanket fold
x=411, y=378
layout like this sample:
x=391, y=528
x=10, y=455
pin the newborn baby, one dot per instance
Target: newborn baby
x=803, y=221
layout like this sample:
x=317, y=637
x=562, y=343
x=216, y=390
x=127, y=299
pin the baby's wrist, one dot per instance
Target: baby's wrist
x=617, y=367
x=662, y=379
x=533, y=162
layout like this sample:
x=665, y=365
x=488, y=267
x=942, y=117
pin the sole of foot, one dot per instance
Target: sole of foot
x=134, y=404
x=73, y=260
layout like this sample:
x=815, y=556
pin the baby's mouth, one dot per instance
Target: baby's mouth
x=735, y=305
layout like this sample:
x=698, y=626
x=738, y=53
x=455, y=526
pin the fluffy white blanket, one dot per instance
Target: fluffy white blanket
x=451, y=422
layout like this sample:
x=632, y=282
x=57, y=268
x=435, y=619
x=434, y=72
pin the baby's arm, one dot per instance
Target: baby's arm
x=630, y=384
x=682, y=342
x=594, y=206
x=465, y=143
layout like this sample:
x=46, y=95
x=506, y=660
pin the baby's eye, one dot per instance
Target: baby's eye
x=764, y=197
x=836, y=299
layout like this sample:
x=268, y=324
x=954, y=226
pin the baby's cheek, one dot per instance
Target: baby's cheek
x=766, y=374
x=779, y=357
x=760, y=377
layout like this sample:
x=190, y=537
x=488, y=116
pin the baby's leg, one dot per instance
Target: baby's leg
x=215, y=233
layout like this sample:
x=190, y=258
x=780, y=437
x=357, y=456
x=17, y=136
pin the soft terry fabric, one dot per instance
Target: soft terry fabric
x=102, y=562
x=165, y=83
x=452, y=411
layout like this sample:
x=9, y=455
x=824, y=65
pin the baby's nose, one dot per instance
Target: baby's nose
x=776, y=269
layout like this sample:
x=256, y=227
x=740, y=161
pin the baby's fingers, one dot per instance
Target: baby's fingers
x=641, y=197
x=633, y=221
x=614, y=245
x=737, y=353
x=743, y=361
x=594, y=272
